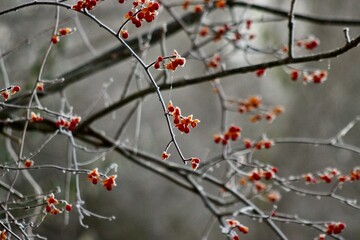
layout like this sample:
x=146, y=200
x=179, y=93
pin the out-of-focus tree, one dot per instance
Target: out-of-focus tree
x=192, y=91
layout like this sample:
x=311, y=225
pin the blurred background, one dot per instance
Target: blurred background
x=147, y=206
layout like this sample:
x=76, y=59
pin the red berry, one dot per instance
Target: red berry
x=124, y=34
x=138, y=24
x=260, y=72
x=181, y=128
x=341, y=225
x=217, y=139
x=294, y=75
x=247, y=143
x=68, y=207
x=267, y=144
x=149, y=18
x=248, y=24
x=312, y=44
x=151, y=9
x=15, y=89
x=234, y=137
x=47, y=208
x=186, y=130
x=28, y=163
x=181, y=61
x=156, y=6
x=55, y=39
x=140, y=15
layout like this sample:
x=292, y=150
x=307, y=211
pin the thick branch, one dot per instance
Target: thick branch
x=187, y=82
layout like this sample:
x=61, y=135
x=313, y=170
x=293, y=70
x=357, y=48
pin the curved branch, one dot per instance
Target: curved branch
x=187, y=82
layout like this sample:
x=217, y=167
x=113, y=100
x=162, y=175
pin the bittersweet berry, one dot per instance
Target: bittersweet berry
x=109, y=182
x=28, y=163
x=124, y=34
x=68, y=207
x=165, y=155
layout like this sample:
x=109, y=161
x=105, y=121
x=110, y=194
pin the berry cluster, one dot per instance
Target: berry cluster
x=335, y=228
x=257, y=175
x=144, y=10
x=195, y=162
x=61, y=32
x=85, y=4
x=70, y=125
x=229, y=32
x=158, y=61
x=309, y=178
x=9, y=91
x=235, y=224
x=108, y=182
x=94, y=176
x=221, y=31
x=315, y=77
x=176, y=61
x=181, y=123
x=310, y=43
x=214, y=62
x=254, y=103
x=36, y=117
x=318, y=76
x=325, y=176
x=250, y=104
x=264, y=143
x=233, y=133
x=261, y=144
x=52, y=202
x=354, y=174
x=329, y=174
